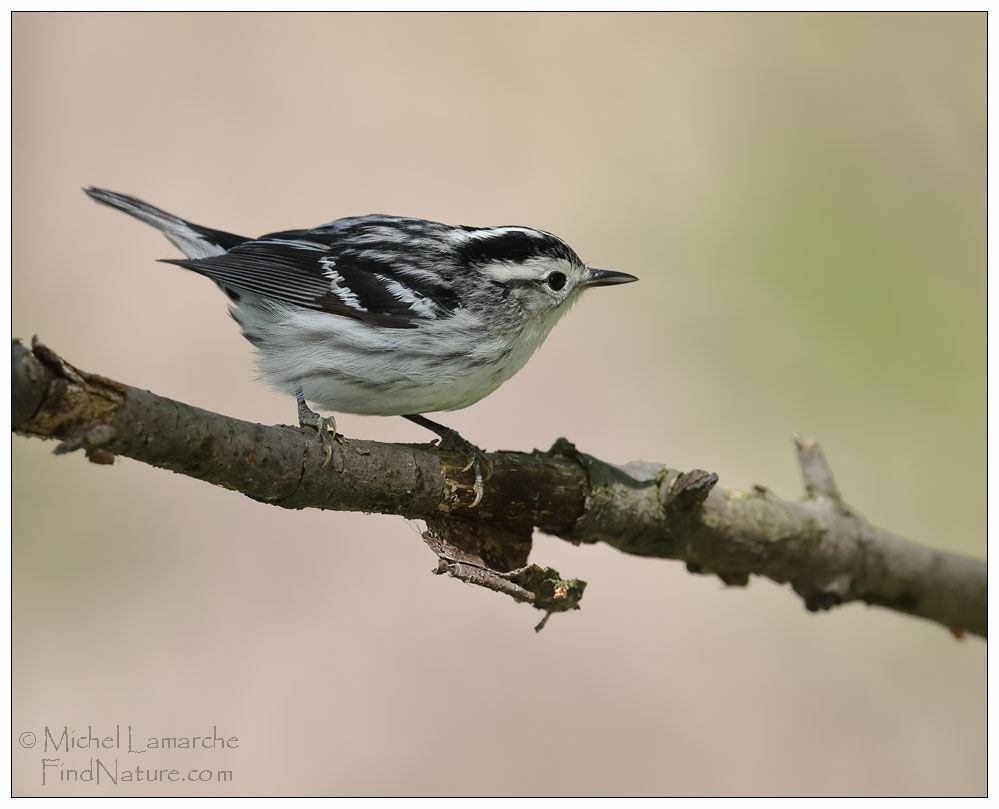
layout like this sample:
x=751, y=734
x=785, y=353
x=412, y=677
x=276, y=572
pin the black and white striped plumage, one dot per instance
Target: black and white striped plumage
x=383, y=315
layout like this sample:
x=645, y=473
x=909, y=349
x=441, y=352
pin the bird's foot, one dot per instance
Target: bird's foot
x=477, y=461
x=451, y=442
x=324, y=425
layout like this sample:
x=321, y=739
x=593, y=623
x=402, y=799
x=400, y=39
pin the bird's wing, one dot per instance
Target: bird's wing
x=314, y=269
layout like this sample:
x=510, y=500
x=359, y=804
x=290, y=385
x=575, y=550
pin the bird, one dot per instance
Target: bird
x=385, y=315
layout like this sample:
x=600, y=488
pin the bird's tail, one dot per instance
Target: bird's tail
x=192, y=240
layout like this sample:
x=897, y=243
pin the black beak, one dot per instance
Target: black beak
x=604, y=278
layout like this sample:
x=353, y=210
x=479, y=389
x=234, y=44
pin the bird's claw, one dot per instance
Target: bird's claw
x=452, y=443
x=477, y=461
x=324, y=425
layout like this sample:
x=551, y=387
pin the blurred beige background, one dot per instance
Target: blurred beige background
x=803, y=197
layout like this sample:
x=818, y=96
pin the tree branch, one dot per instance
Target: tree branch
x=829, y=554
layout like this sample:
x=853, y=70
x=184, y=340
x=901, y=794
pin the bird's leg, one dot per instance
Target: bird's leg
x=321, y=424
x=451, y=441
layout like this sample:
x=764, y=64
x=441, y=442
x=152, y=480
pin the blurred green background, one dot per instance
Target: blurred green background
x=804, y=199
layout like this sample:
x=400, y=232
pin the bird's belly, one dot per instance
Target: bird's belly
x=404, y=394
x=387, y=372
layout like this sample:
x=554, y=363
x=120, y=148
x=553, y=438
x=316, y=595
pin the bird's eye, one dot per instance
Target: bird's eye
x=556, y=280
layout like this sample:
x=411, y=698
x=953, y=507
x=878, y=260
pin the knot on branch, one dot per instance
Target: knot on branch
x=730, y=578
x=689, y=490
x=826, y=597
x=90, y=442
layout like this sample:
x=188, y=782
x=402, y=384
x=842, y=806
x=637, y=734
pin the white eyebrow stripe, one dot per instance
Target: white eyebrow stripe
x=533, y=269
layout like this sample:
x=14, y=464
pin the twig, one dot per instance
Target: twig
x=829, y=554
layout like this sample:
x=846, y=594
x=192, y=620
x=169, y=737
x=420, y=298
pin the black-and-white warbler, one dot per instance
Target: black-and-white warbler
x=384, y=315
